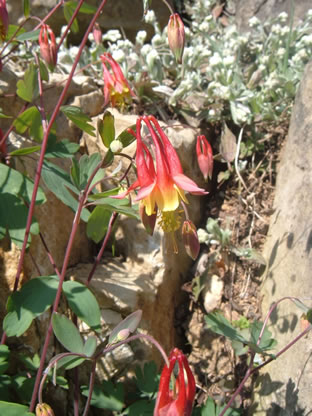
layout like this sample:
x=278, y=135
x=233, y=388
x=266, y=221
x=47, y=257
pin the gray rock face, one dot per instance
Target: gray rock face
x=116, y=14
x=286, y=389
x=267, y=9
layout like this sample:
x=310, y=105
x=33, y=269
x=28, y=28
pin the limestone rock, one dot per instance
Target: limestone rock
x=285, y=389
x=120, y=13
x=267, y=9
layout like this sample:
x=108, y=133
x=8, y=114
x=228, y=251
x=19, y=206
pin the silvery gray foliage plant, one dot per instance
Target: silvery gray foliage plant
x=225, y=74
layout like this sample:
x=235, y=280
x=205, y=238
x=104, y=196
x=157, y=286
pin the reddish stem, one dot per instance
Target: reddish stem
x=100, y=254
x=77, y=216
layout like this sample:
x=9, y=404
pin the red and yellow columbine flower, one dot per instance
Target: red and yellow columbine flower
x=47, y=45
x=116, y=88
x=4, y=20
x=161, y=186
x=204, y=157
x=179, y=401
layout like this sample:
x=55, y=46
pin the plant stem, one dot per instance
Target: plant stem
x=70, y=243
x=77, y=216
x=100, y=254
x=91, y=385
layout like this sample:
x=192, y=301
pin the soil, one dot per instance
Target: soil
x=244, y=208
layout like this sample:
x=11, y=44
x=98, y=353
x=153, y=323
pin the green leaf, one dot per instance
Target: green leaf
x=90, y=346
x=249, y=254
x=266, y=343
x=14, y=409
x=16, y=188
x=107, y=396
x=83, y=303
x=141, y=407
x=30, y=120
x=106, y=128
x=6, y=387
x=127, y=138
x=69, y=9
x=34, y=298
x=4, y=353
x=70, y=361
x=217, y=323
x=119, y=205
x=80, y=119
x=58, y=181
x=85, y=8
x=33, y=35
x=87, y=165
x=67, y=333
x=31, y=363
x=44, y=73
x=28, y=88
x=12, y=30
x=209, y=408
x=2, y=115
x=229, y=412
x=98, y=223
x=130, y=323
x=23, y=386
x=13, y=219
x=63, y=148
x=148, y=379
x=108, y=159
x=26, y=8
x=25, y=151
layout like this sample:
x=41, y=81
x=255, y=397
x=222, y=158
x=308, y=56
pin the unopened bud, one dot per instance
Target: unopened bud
x=204, y=157
x=47, y=45
x=190, y=239
x=43, y=409
x=148, y=221
x=116, y=146
x=97, y=34
x=176, y=36
x=4, y=20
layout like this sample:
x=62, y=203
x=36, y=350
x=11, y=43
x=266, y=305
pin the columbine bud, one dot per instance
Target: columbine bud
x=97, y=34
x=190, y=239
x=48, y=46
x=176, y=36
x=148, y=221
x=116, y=146
x=4, y=20
x=204, y=157
x=43, y=409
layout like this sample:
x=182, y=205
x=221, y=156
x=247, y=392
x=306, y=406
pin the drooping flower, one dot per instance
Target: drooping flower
x=97, y=34
x=176, y=36
x=161, y=186
x=190, y=239
x=204, y=157
x=47, y=45
x=116, y=88
x=43, y=409
x=4, y=20
x=179, y=400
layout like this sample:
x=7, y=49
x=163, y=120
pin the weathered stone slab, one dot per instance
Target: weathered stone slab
x=286, y=389
x=267, y=9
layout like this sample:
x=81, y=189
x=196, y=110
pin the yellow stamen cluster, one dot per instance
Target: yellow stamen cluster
x=170, y=221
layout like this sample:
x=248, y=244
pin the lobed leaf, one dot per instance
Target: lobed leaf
x=34, y=298
x=83, y=303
